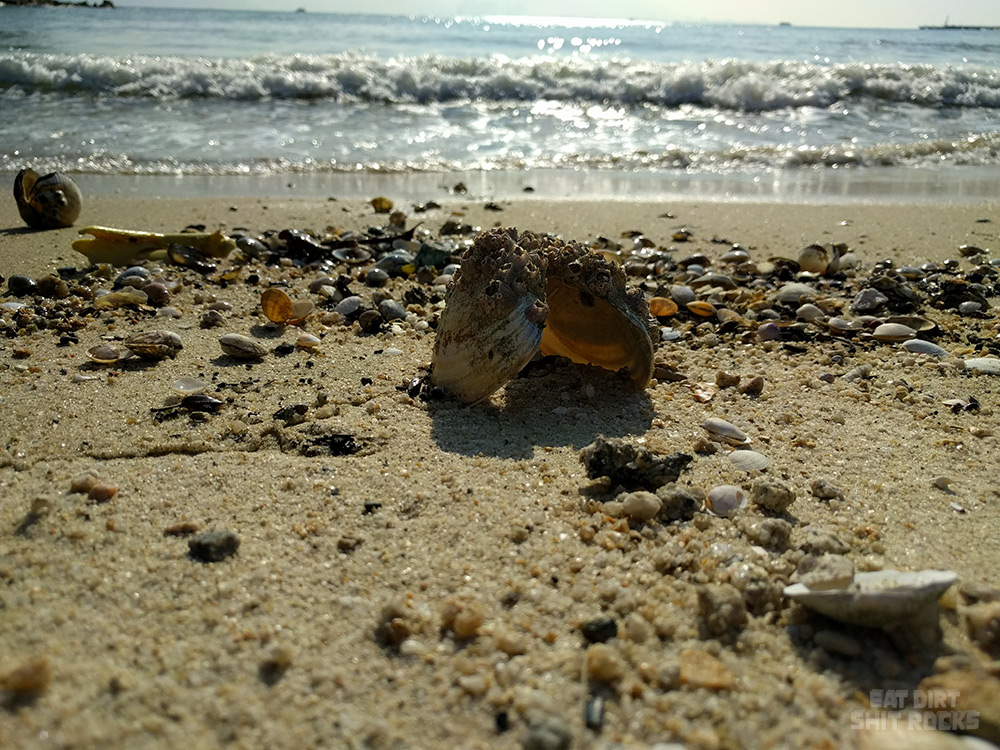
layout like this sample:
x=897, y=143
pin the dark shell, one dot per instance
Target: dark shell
x=47, y=201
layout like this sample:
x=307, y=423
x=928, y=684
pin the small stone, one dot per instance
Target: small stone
x=640, y=506
x=726, y=380
x=26, y=682
x=101, y=492
x=213, y=546
x=677, y=503
x=772, y=494
x=824, y=489
x=371, y=321
x=699, y=669
x=753, y=387
x=604, y=663
x=771, y=533
x=838, y=643
x=721, y=609
x=599, y=630
x=826, y=572
x=273, y=668
x=550, y=733
x=83, y=482
x=463, y=618
x=982, y=623
x=629, y=465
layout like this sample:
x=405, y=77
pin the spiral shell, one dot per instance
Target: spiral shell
x=47, y=201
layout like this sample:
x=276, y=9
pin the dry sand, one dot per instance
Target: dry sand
x=338, y=622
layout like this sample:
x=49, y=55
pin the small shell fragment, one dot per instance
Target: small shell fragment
x=242, y=347
x=307, y=341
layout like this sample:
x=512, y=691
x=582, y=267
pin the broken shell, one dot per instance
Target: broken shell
x=47, y=201
x=104, y=354
x=819, y=259
x=720, y=429
x=876, y=599
x=189, y=386
x=492, y=322
x=154, y=344
x=593, y=319
x=242, y=347
x=725, y=500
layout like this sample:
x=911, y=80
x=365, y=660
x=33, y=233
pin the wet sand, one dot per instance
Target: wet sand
x=429, y=589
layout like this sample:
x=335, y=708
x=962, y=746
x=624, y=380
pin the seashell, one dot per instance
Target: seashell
x=492, y=322
x=351, y=255
x=47, y=201
x=592, y=318
x=381, y=204
x=509, y=287
x=189, y=386
x=970, y=251
x=104, y=354
x=878, y=598
x=725, y=500
x=682, y=295
x=919, y=346
x=189, y=257
x=792, y=292
x=916, y=322
x=279, y=308
x=307, y=341
x=662, y=307
x=701, y=308
x=746, y=460
x=720, y=429
x=893, y=333
x=125, y=296
x=841, y=325
x=154, y=344
x=809, y=313
x=242, y=347
x=988, y=365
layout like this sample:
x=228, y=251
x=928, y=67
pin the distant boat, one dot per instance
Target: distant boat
x=300, y=10
x=784, y=23
x=960, y=28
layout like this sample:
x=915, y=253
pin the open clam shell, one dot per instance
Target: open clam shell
x=492, y=323
x=878, y=598
x=593, y=318
x=47, y=201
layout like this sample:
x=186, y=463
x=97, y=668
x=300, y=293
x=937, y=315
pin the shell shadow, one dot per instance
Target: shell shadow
x=552, y=403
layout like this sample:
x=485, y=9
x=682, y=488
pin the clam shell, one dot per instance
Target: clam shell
x=662, y=307
x=277, y=305
x=876, y=599
x=242, y=347
x=893, y=333
x=154, y=344
x=725, y=500
x=47, y=201
x=492, y=322
x=720, y=429
x=593, y=319
x=104, y=354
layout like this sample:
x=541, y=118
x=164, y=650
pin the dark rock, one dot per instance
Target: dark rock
x=213, y=546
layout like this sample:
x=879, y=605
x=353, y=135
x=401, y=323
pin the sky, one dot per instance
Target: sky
x=849, y=13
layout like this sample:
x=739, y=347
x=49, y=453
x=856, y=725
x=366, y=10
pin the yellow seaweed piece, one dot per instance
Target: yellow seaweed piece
x=123, y=246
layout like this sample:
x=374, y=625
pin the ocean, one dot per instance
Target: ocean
x=336, y=102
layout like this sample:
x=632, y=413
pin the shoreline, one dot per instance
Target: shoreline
x=438, y=584
x=951, y=184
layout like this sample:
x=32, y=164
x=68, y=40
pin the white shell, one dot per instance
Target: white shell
x=919, y=346
x=893, y=333
x=989, y=365
x=879, y=598
x=749, y=460
x=189, y=386
x=725, y=500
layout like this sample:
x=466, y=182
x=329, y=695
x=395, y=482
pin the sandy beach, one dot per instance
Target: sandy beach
x=422, y=574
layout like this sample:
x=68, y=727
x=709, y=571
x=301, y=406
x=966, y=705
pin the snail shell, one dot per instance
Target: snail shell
x=47, y=201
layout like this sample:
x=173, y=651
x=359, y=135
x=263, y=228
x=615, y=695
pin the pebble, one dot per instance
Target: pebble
x=550, y=733
x=721, y=609
x=101, y=492
x=640, y=506
x=83, y=482
x=599, y=630
x=868, y=300
x=677, y=503
x=604, y=663
x=824, y=489
x=838, y=643
x=826, y=572
x=699, y=669
x=752, y=387
x=982, y=623
x=213, y=546
x=772, y=494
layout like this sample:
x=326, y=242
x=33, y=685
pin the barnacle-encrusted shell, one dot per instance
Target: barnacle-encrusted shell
x=47, y=201
x=593, y=319
x=492, y=323
x=508, y=286
x=154, y=344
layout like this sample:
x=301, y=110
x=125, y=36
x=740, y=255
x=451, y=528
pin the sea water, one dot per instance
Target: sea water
x=325, y=99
